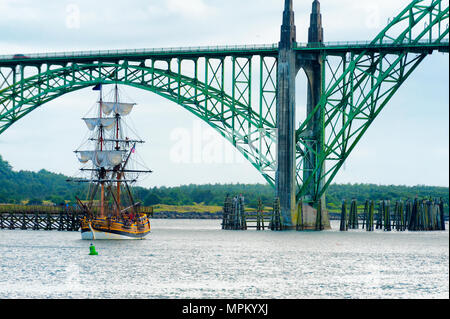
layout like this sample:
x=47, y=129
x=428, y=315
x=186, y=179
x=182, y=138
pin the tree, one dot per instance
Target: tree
x=35, y=201
x=152, y=199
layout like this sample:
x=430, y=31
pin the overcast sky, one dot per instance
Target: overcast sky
x=407, y=145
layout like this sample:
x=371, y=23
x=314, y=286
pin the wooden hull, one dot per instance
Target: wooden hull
x=104, y=229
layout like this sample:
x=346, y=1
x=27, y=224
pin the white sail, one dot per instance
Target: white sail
x=101, y=158
x=108, y=158
x=107, y=123
x=117, y=108
x=85, y=156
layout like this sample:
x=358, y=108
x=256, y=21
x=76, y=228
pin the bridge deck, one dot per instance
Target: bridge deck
x=215, y=51
x=359, y=46
x=161, y=53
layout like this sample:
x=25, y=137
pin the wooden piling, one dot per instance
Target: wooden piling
x=275, y=223
x=387, y=215
x=402, y=216
x=365, y=215
x=370, y=226
x=23, y=222
x=48, y=222
x=380, y=215
x=441, y=213
x=242, y=214
x=61, y=221
x=12, y=221
x=344, y=219
x=299, y=225
x=426, y=215
x=234, y=216
x=319, y=225
x=259, y=215
x=353, y=216
x=226, y=213
x=36, y=221
x=398, y=216
x=408, y=214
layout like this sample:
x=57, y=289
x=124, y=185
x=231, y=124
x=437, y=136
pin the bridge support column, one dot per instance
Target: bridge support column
x=287, y=71
x=314, y=218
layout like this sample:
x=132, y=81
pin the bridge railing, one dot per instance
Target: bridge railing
x=364, y=44
x=218, y=48
x=151, y=51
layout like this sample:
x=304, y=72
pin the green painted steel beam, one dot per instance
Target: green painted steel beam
x=330, y=48
x=361, y=82
x=438, y=44
x=251, y=132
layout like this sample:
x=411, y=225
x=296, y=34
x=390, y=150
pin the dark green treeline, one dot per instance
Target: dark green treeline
x=43, y=185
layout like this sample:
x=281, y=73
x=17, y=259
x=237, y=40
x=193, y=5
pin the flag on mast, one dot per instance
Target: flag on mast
x=98, y=87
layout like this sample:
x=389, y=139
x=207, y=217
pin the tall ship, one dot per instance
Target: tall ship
x=110, y=168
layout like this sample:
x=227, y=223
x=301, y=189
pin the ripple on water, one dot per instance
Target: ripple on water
x=196, y=259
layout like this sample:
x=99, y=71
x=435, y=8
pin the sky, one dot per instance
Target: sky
x=408, y=144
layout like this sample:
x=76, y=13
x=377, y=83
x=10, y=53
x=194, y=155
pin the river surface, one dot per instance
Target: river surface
x=196, y=259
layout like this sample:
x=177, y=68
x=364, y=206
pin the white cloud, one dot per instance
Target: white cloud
x=155, y=11
x=4, y=4
x=190, y=9
x=14, y=11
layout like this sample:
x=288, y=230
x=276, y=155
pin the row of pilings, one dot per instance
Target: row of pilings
x=235, y=217
x=412, y=215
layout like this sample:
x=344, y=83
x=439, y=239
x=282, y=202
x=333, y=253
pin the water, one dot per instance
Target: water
x=195, y=259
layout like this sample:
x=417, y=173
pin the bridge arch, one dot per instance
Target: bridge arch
x=224, y=113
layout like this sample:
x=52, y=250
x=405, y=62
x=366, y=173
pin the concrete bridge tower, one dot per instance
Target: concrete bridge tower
x=289, y=63
x=287, y=71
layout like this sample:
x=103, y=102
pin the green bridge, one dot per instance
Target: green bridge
x=247, y=93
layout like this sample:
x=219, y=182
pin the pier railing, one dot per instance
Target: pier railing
x=40, y=217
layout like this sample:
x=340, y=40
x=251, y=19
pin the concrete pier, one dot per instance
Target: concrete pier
x=287, y=71
x=313, y=67
x=288, y=66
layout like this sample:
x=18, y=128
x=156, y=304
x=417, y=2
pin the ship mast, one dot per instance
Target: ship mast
x=102, y=191
x=119, y=175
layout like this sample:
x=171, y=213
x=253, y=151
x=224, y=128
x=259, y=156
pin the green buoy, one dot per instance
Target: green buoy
x=92, y=250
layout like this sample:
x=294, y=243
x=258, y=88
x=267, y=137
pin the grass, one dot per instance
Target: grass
x=200, y=208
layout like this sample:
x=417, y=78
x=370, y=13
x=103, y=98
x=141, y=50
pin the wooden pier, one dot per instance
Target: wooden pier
x=59, y=218
x=40, y=218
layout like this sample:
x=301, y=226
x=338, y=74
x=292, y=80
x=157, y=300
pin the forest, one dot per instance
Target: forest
x=44, y=187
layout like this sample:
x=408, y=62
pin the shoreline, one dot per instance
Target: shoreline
x=204, y=215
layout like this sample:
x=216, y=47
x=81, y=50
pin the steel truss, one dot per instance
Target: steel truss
x=359, y=83
x=224, y=103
